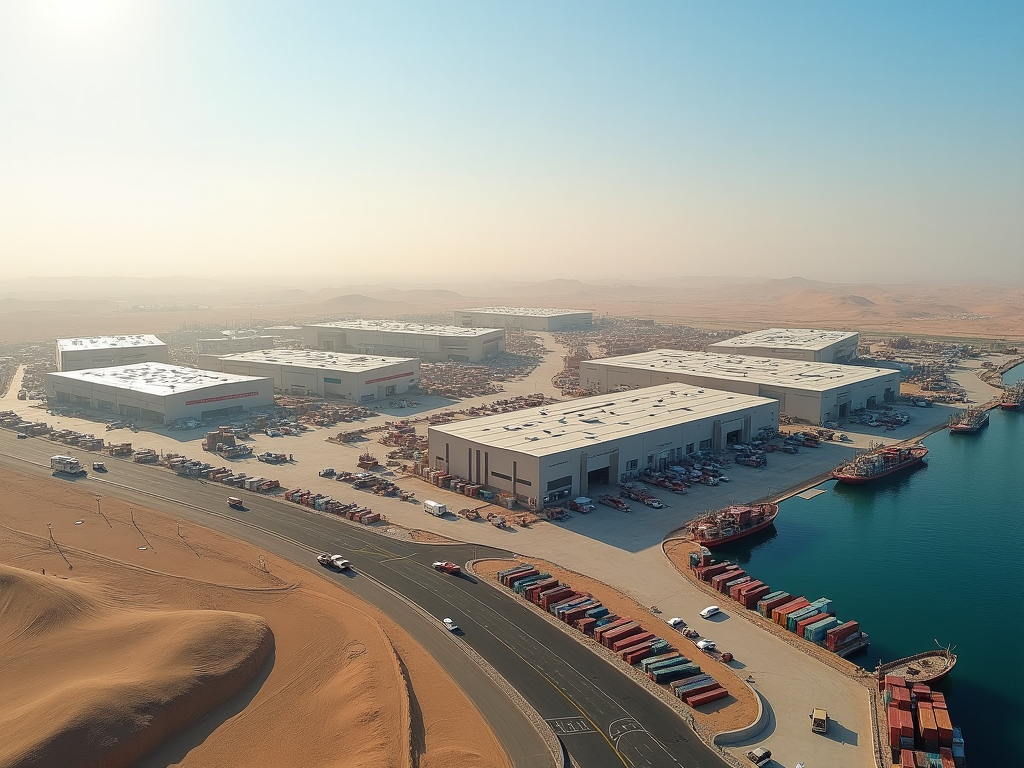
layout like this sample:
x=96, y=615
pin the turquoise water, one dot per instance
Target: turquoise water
x=932, y=554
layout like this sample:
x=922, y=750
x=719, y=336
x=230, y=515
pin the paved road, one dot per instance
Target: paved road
x=603, y=717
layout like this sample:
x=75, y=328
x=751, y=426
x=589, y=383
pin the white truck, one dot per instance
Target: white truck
x=435, y=509
x=66, y=465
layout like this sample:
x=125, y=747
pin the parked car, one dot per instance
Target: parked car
x=329, y=472
x=450, y=625
x=654, y=503
x=676, y=622
x=22, y=436
x=759, y=756
x=710, y=611
x=819, y=720
x=706, y=645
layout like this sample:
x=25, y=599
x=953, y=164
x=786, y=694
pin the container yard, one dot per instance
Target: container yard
x=918, y=727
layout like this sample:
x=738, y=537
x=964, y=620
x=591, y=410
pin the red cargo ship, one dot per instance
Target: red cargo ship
x=733, y=522
x=969, y=421
x=1012, y=397
x=879, y=462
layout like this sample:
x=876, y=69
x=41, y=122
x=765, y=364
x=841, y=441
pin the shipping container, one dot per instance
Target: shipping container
x=521, y=585
x=697, y=688
x=678, y=672
x=637, y=653
x=801, y=626
x=707, y=697
x=598, y=613
x=737, y=590
x=729, y=584
x=611, y=627
x=513, y=578
x=665, y=663
x=751, y=598
x=780, y=614
x=539, y=586
x=608, y=639
x=648, y=662
x=554, y=595
x=725, y=576
x=815, y=633
x=586, y=626
x=513, y=569
x=632, y=641
x=907, y=759
x=946, y=756
x=770, y=601
x=944, y=725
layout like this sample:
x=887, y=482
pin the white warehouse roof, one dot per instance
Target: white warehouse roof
x=108, y=342
x=154, y=378
x=527, y=311
x=391, y=326
x=575, y=424
x=788, y=338
x=798, y=374
x=316, y=358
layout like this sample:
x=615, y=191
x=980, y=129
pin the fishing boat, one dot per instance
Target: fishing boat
x=731, y=523
x=928, y=667
x=1012, y=397
x=879, y=462
x=969, y=421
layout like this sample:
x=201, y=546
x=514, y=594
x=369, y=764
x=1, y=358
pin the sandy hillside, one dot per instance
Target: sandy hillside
x=151, y=614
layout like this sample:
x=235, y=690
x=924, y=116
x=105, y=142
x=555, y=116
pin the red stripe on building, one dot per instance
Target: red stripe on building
x=222, y=397
x=389, y=378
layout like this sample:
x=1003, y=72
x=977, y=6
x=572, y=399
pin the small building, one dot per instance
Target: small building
x=813, y=346
x=157, y=392
x=812, y=392
x=528, y=318
x=285, y=332
x=106, y=351
x=356, y=378
x=567, y=449
x=226, y=345
x=430, y=343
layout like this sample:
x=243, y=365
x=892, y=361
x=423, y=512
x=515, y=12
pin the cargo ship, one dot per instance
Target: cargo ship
x=927, y=668
x=879, y=462
x=731, y=523
x=1013, y=397
x=969, y=421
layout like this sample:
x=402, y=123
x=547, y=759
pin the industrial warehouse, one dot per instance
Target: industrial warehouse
x=543, y=454
x=812, y=346
x=356, y=378
x=158, y=392
x=105, y=351
x=226, y=345
x=527, y=318
x=812, y=392
x=430, y=343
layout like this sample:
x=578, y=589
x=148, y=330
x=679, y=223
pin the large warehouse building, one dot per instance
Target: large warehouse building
x=547, y=453
x=226, y=345
x=105, y=351
x=813, y=392
x=356, y=378
x=529, y=318
x=806, y=344
x=158, y=392
x=430, y=343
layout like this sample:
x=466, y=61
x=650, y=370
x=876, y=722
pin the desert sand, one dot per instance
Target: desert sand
x=182, y=642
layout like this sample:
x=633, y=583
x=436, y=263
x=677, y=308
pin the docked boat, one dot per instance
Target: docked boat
x=1013, y=397
x=969, y=421
x=879, y=462
x=928, y=667
x=731, y=523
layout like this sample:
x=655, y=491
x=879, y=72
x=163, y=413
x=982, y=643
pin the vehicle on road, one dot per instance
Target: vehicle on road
x=235, y=503
x=819, y=720
x=66, y=465
x=447, y=566
x=710, y=611
x=99, y=466
x=323, y=558
x=340, y=562
x=450, y=625
x=22, y=436
x=676, y=622
x=759, y=756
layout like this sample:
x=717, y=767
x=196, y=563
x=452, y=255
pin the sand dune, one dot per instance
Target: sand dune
x=91, y=683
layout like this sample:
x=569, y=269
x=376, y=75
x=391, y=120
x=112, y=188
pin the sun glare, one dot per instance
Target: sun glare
x=84, y=23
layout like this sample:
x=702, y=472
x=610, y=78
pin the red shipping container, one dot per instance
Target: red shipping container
x=600, y=631
x=938, y=700
x=926, y=725
x=638, y=653
x=711, y=685
x=907, y=723
x=779, y=614
x=631, y=641
x=891, y=681
x=738, y=590
x=539, y=586
x=749, y=599
x=907, y=759
x=729, y=584
x=552, y=596
x=770, y=605
x=946, y=755
x=944, y=725
x=707, y=697
x=586, y=626
x=835, y=636
x=620, y=633
x=726, y=576
x=805, y=623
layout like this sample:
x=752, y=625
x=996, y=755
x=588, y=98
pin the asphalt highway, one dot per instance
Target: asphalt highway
x=602, y=716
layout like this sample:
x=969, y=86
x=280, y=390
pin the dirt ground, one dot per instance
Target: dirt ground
x=135, y=615
x=737, y=710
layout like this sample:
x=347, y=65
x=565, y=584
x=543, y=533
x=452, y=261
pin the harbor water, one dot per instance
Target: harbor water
x=935, y=553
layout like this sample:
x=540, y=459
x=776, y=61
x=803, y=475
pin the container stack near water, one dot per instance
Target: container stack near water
x=623, y=636
x=920, y=731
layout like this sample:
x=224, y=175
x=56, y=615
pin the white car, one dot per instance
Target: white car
x=706, y=645
x=710, y=611
x=340, y=562
x=450, y=625
x=675, y=621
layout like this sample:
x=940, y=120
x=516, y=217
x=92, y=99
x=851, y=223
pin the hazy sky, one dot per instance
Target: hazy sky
x=456, y=140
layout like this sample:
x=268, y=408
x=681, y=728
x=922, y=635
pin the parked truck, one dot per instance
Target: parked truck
x=435, y=509
x=67, y=465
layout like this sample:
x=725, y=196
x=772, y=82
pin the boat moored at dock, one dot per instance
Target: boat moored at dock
x=879, y=462
x=731, y=523
x=969, y=421
x=1012, y=398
